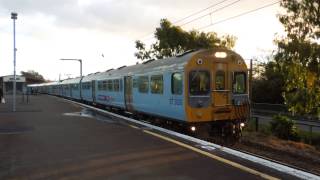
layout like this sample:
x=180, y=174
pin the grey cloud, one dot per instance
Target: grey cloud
x=123, y=16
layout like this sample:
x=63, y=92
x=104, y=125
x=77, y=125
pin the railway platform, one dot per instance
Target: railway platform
x=53, y=138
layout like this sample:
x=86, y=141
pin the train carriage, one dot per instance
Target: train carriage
x=88, y=90
x=110, y=91
x=70, y=88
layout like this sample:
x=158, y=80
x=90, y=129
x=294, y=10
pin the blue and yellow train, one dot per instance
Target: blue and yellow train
x=204, y=91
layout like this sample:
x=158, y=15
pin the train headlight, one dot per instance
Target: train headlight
x=193, y=128
x=242, y=125
x=220, y=54
x=199, y=61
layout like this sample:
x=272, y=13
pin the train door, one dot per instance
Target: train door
x=220, y=84
x=128, y=93
x=93, y=88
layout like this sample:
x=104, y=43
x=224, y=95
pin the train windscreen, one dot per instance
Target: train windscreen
x=199, y=83
x=239, y=83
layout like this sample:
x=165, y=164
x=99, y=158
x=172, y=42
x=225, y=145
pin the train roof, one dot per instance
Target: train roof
x=43, y=84
x=71, y=81
x=168, y=64
x=176, y=63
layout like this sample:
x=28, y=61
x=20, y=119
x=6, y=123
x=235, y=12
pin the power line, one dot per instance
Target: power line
x=200, y=17
x=241, y=14
x=193, y=14
x=200, y=11
x=229, y=18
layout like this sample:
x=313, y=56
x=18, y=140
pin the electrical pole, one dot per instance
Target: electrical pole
x=80, y=83
x=250, y=89
x=14, y=17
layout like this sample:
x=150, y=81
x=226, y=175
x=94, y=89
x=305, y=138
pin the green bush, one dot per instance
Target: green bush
x=284, y=128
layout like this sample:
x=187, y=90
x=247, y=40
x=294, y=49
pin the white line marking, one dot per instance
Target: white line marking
x=279, y=167
x=215, y=157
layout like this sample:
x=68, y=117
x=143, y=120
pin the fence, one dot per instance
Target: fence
x=274, y=109
x=311, y=127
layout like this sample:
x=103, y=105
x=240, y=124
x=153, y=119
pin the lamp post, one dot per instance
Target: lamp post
x=80, y=60
x=14, y=17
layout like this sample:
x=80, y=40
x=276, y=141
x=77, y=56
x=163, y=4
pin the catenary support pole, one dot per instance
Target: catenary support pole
x=14, y=17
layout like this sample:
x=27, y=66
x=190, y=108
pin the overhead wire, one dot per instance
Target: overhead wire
x=226, y=19
x=193, y=14
x=200, y=11
x=217, y=10
x=239, y=15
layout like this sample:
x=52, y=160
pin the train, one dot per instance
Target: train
x=201, y=91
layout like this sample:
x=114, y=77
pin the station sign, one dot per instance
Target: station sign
x=11, y=79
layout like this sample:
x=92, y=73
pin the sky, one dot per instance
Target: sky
x=48, y=30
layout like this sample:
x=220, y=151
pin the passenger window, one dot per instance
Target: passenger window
x=110, y=85
x=120, y=87
x=156, y=84
x=199, y=82
x=104, y=85
x=220, y=80
x=134, y=83
x=176, y=83
x=116, y=85
x=239, y=83
x=143, y=82
x=99, y=85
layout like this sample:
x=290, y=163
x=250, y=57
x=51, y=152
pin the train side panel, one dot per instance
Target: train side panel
x=87, y=92
x=164, y=104
x=110, y=96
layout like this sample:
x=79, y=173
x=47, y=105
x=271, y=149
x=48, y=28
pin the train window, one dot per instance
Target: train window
x=176, y=83
x=199, y=82
x=75, y=86
x=156, y=84
x=120, y=87
x=143, y=83
x=116, y=85
x=134, y=83
x=110, y=85
x=99, y=85
x=104, y=85
x=220, y=80
x=239, y=83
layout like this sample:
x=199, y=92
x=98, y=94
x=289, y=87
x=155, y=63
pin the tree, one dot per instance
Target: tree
x=173, y=40
x=33, y=77
x=298, y=55
x=269, y=82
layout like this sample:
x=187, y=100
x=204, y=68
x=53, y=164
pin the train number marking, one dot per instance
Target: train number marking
x=105, y=98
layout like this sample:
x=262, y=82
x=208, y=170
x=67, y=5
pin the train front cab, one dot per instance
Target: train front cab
x=216, y=92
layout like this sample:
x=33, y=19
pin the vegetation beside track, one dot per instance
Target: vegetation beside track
x=296, y=152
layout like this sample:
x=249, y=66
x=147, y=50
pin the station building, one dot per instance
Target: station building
x=6, y=83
